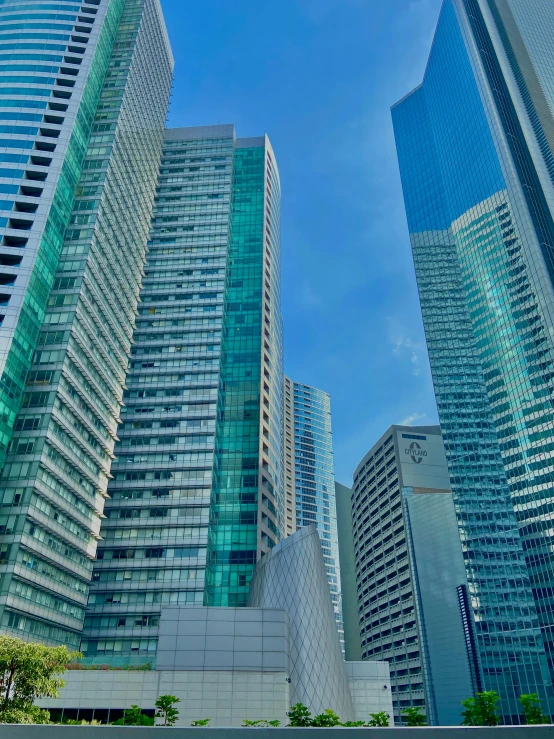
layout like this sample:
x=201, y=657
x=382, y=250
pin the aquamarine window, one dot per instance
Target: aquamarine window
x=23, y=104
x=24, y=91
x=49, y=47
x=33, y=26
x=6, y=204
x=8, y=189
x=27, y=68
x=26, y=80
x=20, y=130
x=15, y=144
x=31, y=57
x=37, y=16
x=53, y=36
x=18, y=158
x=5, y=172
x=9, y=7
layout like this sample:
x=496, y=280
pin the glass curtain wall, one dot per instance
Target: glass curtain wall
x=190, y=491
x=476, y=169
x=314, y=478
x=55, y=479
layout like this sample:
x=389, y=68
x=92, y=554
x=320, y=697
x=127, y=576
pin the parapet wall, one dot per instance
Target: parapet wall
x=117, y=732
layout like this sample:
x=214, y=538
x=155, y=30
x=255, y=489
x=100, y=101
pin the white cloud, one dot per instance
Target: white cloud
x=412, y=419
x=404, y=346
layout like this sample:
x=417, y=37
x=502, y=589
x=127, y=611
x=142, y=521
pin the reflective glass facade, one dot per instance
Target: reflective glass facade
x=475, y=149
x=310, y=463
x=193, y=495
x=106, y=115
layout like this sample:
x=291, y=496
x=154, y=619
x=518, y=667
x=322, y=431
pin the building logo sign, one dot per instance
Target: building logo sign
x=415, y=452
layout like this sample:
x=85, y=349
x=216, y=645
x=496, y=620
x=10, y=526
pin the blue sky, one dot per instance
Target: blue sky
x=319, y=77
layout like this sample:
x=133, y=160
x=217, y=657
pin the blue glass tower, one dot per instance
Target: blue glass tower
x=476, y=148
x=309, y=464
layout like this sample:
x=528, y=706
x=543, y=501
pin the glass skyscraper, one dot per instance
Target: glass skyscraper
x=476, y=148
x=196, y=488
x=310, y=468
x=83, y=100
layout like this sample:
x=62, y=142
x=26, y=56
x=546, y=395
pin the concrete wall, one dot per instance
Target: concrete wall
x=369, y=684
x=292, y=577
x=226, y=697
x=116, y=732
x=245, y=639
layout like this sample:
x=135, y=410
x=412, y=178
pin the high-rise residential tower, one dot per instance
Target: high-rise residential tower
x=197, y=483
x=310, y=475
x=476, y=148
x=410, y=578
x=83, y=100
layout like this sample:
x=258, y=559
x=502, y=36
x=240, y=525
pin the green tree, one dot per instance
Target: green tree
x=134, y=717
x=28, y=715
x=481, y=710
x=299, y=716
x=326, y=719
x=532, y=709
x=413, y=717
x=29, y=671
x=201, y=722
x=166, y=710
x=380, y=719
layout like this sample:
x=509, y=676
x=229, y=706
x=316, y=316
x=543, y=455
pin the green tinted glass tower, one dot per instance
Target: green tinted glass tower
x=476, y=149
x=85, y=109
x=195, y=495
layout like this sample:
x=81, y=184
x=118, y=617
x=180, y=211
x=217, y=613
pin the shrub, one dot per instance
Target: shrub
x=24, y=715
x=165, y=705
x=380, y=719
x=413, y=717
x=299, y=716
x=201, y=722
x=532, y=709
x=326, y=719
x=134, y=717
x=481, y=710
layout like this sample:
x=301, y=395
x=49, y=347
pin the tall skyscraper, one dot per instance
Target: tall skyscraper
x=411, y=580
x=310, y=465
x=197, y=484
x=83, y=101
x=476, y=149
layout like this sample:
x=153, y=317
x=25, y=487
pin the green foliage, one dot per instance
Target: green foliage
x=201, y=722
x=532, y=709
x=12, y=714
x=299, y=716
x=481, y=710
x=134, y=717
x=413, y=717
x=380, y=719
x=261, y=722
x=29, y=671
x=353, y=724
x=166, y=709
x=326, y=719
